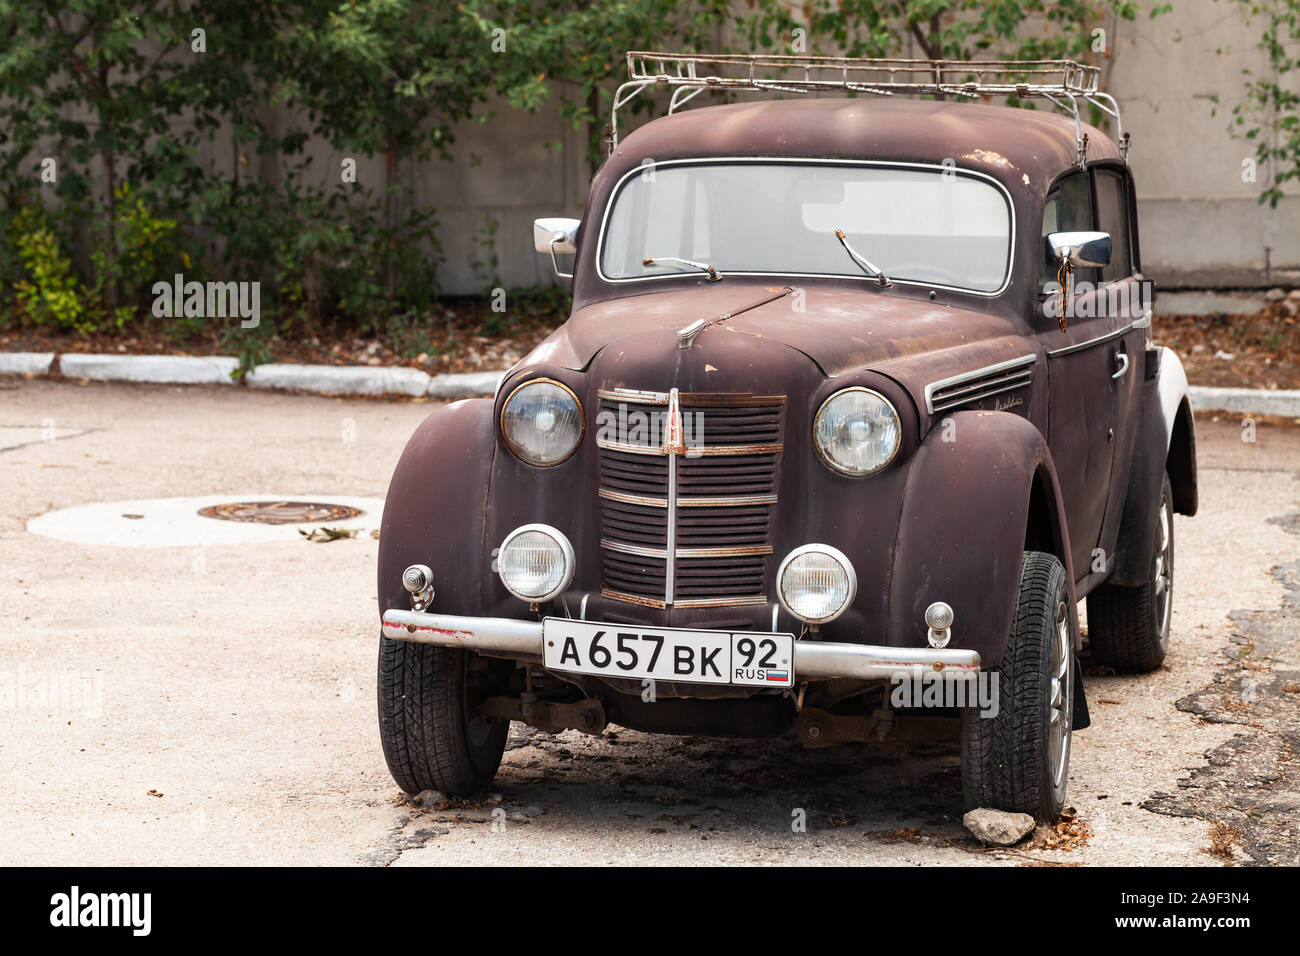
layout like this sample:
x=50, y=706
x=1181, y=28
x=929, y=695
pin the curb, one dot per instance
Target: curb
x=464, y=384
x=382, y=380
x=156, y=369
x=340, y=379
x=218, y=369
x=26, y=363
x=1247, y=401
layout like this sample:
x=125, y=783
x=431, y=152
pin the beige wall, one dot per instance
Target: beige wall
x=1200, y=223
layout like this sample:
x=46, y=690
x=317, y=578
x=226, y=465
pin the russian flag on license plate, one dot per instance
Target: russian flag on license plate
x=781, y=676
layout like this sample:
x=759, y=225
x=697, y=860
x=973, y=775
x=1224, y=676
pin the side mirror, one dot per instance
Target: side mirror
x=556, y=235
x=1083, y=250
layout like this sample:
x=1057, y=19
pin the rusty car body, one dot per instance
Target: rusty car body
x=1024, y=461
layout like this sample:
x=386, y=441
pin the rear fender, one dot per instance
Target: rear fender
x=972, y=489
x=1166, y=441
x=434, y=512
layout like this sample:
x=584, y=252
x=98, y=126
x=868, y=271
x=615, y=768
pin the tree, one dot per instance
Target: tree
x=116, y=64
x=577, y=50
x=386, y=77
x=1269, y=115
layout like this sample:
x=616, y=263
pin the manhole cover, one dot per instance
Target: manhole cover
x=280, y=512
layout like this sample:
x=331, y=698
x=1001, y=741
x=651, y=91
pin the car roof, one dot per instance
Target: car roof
x=1024, y=148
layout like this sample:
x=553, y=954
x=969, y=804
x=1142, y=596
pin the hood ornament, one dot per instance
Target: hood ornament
x=674, y=431
x=686, y=336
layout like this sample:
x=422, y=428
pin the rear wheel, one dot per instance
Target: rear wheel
x=1128, y=628
x=1018, y=759
x=432, y=737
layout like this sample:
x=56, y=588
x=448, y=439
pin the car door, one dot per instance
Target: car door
x=1126, y=295
x=1081, y=360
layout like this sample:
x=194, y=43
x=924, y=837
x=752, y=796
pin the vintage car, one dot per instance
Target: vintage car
x=858, y=395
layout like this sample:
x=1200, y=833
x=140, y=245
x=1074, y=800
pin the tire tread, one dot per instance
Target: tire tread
x=1002, y=756
x=421, y=726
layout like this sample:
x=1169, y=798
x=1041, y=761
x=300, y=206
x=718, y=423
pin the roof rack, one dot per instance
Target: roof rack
x=1064, y=83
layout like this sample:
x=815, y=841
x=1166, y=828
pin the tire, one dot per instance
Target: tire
x=432, y=740
x=1128, y=628
x=1018, y=760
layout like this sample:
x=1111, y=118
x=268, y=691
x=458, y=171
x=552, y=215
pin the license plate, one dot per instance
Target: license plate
x=669, y=653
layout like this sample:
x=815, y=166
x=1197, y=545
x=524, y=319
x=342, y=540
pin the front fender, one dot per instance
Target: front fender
x=967, y=507
x=434, y=512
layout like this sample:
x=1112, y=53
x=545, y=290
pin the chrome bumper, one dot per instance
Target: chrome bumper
x=813, y=660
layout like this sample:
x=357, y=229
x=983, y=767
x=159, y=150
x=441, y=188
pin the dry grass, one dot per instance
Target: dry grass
x=1241, y=351
x=1224, y=839
x=1069, y=832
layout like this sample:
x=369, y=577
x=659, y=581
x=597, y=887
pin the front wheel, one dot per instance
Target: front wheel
x=432, y=737
x=1018, y=758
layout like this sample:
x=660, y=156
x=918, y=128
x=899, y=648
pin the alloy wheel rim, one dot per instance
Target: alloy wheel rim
x=1163, y=577
x=1060, y=697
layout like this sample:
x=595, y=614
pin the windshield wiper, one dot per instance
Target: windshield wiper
x=714, y=274
x=872, y=270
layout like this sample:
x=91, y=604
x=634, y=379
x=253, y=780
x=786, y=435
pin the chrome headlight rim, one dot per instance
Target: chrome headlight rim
x=566, y=548
x=836, y=466
x=515, y=449
x=835, y=554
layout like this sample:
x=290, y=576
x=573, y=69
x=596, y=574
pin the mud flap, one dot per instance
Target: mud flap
x=1079, y=719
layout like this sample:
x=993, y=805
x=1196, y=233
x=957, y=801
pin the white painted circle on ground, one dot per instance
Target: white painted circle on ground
x=176, y=522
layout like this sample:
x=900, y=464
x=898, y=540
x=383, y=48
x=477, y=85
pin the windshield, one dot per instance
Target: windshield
x=934, y=226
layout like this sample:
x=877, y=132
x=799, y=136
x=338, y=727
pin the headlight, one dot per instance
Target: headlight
x=856, y=431
x=816, y=583
x=542, y=422
x=535, y=563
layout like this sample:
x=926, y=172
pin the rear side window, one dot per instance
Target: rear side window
x=1112, y=217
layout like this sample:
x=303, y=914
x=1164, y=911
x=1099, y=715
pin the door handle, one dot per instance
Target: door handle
x=1122, y=359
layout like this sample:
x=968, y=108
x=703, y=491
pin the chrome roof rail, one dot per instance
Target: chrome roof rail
x=1064, y=83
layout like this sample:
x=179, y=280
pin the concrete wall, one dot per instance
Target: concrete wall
x=1201, y=225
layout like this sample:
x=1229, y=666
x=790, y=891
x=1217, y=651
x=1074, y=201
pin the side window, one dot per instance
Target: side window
x=1112, y=217
x=1051, y=224
x=1068, y=209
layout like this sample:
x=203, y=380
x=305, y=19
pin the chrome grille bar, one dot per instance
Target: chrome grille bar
x=670, y=553
x=665, y=546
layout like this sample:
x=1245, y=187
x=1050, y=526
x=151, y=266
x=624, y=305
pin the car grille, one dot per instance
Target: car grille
x=686, y=516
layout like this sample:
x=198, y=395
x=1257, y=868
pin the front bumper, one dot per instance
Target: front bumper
x=813, y=660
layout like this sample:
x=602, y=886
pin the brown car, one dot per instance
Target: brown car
x=857, y=401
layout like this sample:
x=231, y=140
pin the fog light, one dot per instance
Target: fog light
x=816, y=583
x=418, y=579
x=938, y=618
x=535, y=563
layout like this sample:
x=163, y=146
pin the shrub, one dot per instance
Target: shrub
x=46, y=291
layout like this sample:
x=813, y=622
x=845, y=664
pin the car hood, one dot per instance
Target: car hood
x=839, y=329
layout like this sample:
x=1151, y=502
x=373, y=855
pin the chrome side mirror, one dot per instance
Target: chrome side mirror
x=556, y=235
x=1083, y=250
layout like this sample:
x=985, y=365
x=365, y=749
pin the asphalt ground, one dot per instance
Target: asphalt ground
x=214, y=704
